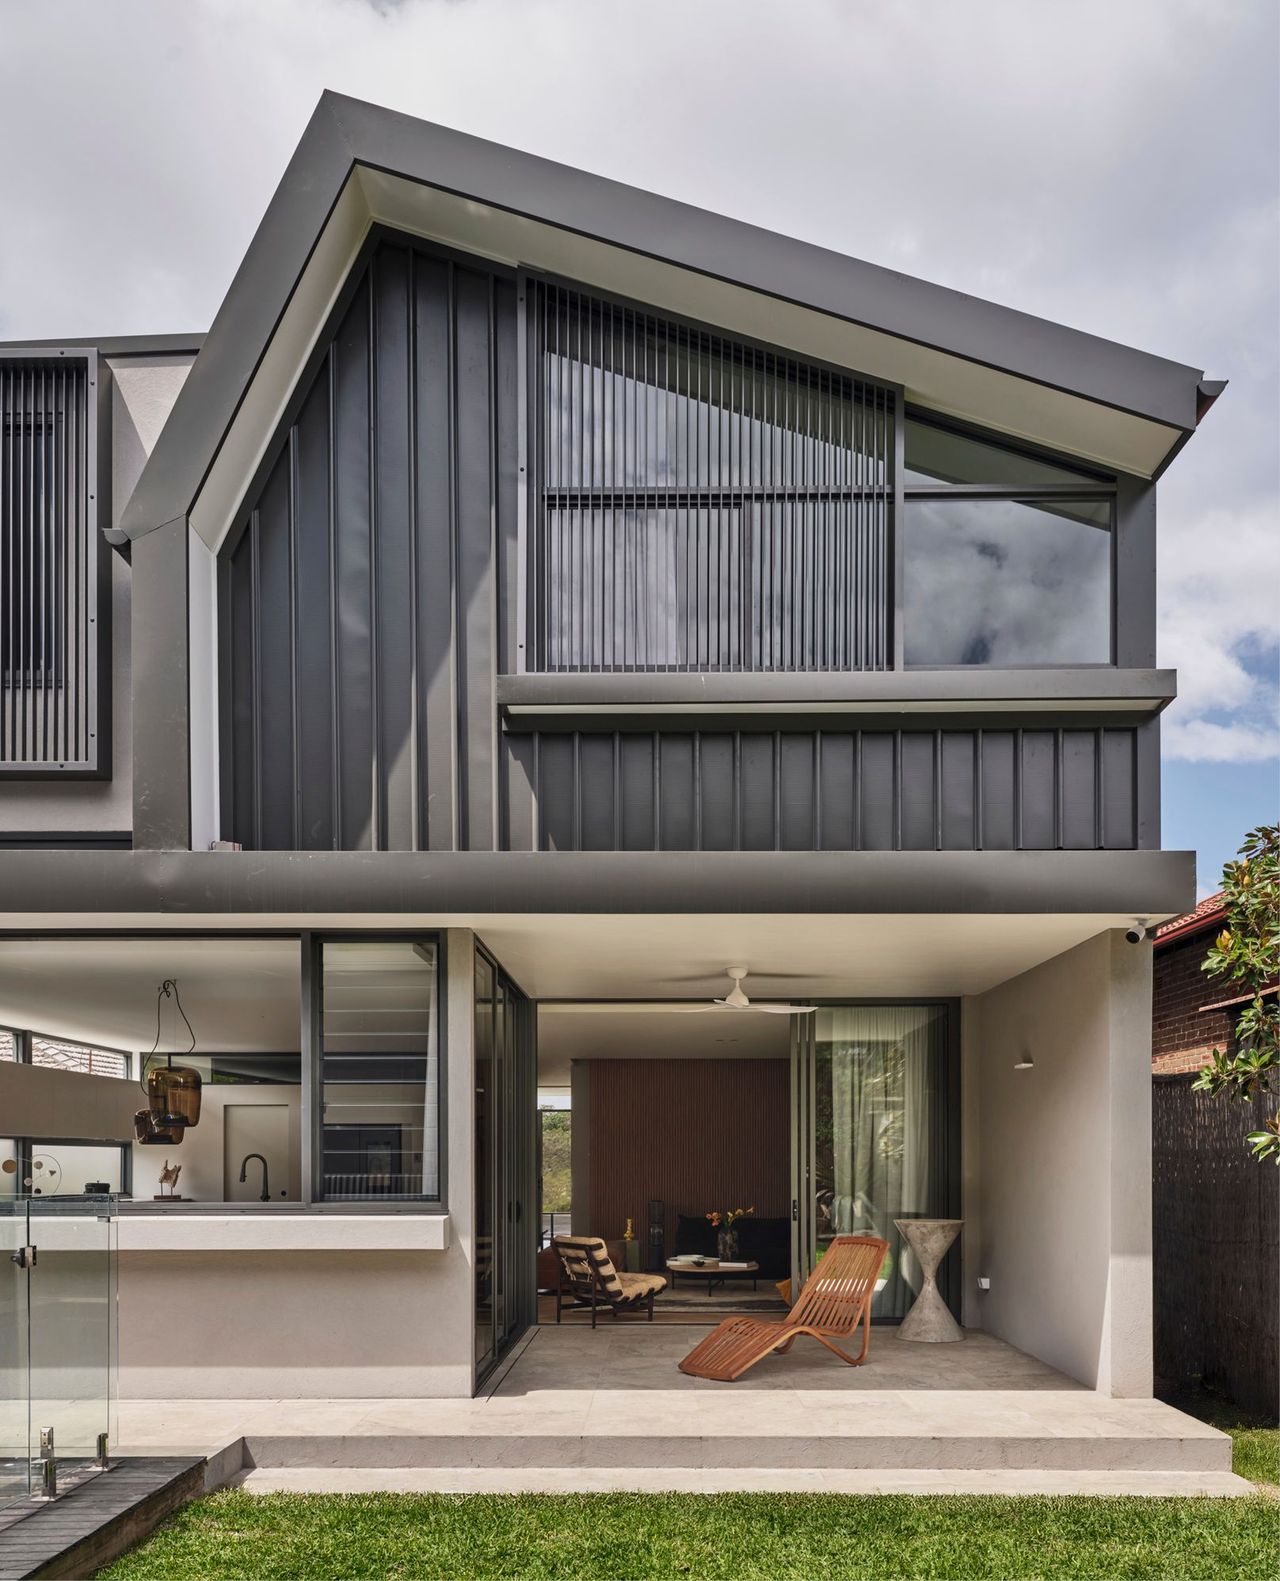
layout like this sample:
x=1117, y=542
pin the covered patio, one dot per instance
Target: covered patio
x=577, y=1411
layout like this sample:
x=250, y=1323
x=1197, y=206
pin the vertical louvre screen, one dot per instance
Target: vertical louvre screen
x=701, y=504
x=48, y=566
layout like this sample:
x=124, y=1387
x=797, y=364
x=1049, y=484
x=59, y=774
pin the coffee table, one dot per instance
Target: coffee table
x=710, y=1271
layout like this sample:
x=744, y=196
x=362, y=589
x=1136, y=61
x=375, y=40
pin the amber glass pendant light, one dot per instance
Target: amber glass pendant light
x=173, y=1091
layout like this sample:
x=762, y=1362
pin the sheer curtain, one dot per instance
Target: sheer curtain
x=881, y=1129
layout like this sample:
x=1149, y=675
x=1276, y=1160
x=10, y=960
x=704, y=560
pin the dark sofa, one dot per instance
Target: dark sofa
x=760, y=1240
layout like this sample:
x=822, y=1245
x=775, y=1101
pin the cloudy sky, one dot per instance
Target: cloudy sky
x=1111, y=164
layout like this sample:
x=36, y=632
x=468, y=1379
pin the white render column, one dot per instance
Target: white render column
x=1063, y=1175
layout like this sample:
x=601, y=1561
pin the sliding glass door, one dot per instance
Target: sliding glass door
x=874, y=1113
x=505, y=1183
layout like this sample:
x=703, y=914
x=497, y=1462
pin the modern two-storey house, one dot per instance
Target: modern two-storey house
x=531, y=599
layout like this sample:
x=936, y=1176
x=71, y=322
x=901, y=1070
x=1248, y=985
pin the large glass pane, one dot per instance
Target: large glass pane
x=72, y=1324
x=15, y=1380
x=1007, y=582
x=937, y=455
x=74, y=1169
x=81, y=1057
x=880, y=1145
x=380, y=1071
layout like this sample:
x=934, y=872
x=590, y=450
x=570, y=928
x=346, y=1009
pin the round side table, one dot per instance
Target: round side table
x=929, y=1320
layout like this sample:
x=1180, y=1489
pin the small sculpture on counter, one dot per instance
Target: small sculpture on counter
x=169, y=1177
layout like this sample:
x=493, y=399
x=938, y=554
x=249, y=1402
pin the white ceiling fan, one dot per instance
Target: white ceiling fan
x=736, y=999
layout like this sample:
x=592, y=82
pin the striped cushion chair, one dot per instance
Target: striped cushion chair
x=588, y=1278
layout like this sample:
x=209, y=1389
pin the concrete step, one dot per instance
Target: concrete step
x=586, y=1479
x=1084, y=1448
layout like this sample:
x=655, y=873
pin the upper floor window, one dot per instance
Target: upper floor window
x=1007, y=558
x=701, y=503
x=49, y=564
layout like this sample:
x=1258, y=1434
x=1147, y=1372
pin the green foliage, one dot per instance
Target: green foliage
x=1246, y=955
x=557, y=1130
x=737, y=1536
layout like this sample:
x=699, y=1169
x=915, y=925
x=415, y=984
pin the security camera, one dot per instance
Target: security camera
x=1137, y=932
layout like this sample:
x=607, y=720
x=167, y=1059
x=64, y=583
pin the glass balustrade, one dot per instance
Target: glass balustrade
x=58, y=1338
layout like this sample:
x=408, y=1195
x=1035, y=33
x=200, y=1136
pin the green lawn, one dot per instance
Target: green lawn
x=616, y=1537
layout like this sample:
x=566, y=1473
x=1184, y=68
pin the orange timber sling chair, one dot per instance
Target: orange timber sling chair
x=836, y=1297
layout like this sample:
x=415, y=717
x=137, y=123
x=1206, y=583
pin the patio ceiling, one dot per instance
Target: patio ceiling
x=611, y=957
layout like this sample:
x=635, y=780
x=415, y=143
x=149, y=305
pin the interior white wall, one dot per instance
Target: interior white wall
x=1060, y=1190
x=43, y=1101
x=338, y=1325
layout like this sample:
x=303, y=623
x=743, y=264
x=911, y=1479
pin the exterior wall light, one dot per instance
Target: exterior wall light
x=1025, y=1063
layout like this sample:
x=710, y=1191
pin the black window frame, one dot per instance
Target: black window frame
x=312, y=1054
x=1094, y=485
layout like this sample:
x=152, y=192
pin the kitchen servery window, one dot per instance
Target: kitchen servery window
x=380, y=1070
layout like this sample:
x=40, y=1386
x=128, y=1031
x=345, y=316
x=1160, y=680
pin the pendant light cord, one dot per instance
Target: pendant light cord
x=167, y=990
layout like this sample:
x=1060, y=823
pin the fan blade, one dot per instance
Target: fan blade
x=696, y=1010
x=785, y=1010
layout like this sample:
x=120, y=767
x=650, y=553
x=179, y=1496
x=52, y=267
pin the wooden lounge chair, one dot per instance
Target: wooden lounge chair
x=587, y=1277
x=835, y=1299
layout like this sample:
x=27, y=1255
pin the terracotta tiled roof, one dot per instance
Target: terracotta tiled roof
x=1209, y=911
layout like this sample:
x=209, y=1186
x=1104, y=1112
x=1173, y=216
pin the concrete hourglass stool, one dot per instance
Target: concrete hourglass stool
x=929, y=1320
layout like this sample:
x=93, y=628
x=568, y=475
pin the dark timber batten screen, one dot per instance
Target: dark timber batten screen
x=1215, y=1246
x=50, y=566
x=702, y=504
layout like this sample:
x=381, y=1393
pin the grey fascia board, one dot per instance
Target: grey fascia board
x=344, y=132
x=1077, y=691
x=243, y=327
x=732, y=250
x=170, y=886
x=115, y=345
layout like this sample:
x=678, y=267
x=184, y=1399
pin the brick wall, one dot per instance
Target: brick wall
x=1182, y=1035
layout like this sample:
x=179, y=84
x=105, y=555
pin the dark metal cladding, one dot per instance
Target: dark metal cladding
x=359, y=630
x=822, y=790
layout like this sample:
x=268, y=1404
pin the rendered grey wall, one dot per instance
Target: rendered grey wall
x=1058, y=1175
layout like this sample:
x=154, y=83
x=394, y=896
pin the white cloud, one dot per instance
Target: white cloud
x=1113, y=166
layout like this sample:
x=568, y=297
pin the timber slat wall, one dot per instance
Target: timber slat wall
x=1216, y=1247
x=698, y=1133
x=871, y=790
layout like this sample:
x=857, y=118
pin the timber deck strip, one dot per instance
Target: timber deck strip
x=93, y=1523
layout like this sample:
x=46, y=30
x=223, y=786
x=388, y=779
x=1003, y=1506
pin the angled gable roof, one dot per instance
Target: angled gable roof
x=358, y=164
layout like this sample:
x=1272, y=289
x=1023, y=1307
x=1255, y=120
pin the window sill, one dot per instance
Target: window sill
x=969, y=690
x=251, y=1231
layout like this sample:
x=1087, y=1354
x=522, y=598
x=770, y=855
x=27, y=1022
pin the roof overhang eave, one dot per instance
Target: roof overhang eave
x=359, y=164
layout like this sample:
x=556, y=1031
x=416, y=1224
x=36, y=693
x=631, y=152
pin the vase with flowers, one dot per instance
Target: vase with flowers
x=723, y=1222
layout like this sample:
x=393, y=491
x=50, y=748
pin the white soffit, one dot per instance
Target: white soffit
x=946, y=384
x=951, y=386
